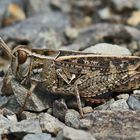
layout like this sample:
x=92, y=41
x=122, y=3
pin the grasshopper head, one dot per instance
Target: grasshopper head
x=21, y=63
x=20, y=60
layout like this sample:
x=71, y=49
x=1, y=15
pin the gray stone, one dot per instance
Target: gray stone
x=63, y=5
x=19, y=2
x=133, y=103
x=50, y=124
x=13, y=14
x=87, y=109
x=8, y=112
x=121, y=5
x=123, y=96
x=26, y=126
x=50, y=111
x=73, y=134
x=28, y=115
x=85, y=124
x=103, y=32
x=3, y=100
x=34, y=27
x=105, y=13
x=4, y=5
x=136, y=91
x=49, y=39
x=71, y=33
x=59, y=109
x=105, y=106
x=39, y=136
x=4, y=123
x=34, y=7
x=6, y=88
x=1, y=80
x=113, y=125
x=72, y=118
x=108, y=49
x=36, y=102
x=12, y=104
x=119, y=105
x=12, y=118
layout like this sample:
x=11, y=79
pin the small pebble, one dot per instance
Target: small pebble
x=73, y=134
x=136, y=92
x=3, y=100
x=119, y=105
x=28, y=115
x=71, y=33
x=39, y=136
x=105, y=13
x=134, y=19
x=133, y=103
x=86, y=123
x=13, y=14
x=50, y=124
x=12, y=118
x=87, y=109
x=72, y=118
x=59, y=109
x=123, y=96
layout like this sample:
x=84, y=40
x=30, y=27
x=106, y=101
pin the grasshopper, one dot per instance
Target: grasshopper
x=84, y=75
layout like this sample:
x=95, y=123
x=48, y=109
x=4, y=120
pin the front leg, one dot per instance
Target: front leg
x=36, y=102
x=28, y=94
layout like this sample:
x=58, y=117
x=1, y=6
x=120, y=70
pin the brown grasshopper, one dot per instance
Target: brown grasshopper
x=84, y=75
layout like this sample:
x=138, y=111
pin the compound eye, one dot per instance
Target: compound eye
x=22, y=56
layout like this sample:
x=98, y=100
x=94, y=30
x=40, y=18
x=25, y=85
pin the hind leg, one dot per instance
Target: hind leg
x=79, y=101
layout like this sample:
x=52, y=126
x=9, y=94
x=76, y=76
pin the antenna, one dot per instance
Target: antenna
x=6, y=48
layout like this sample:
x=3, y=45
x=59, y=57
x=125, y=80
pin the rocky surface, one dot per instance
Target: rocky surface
x=115, y=124
x=40, y=26
x=73, y=134
x=39, y=136
x=108, y=27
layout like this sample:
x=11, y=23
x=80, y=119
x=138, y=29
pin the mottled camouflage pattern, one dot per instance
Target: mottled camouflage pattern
x=60, y=71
